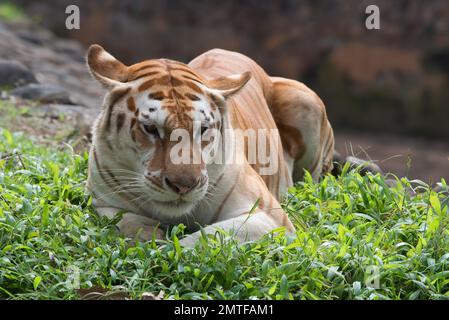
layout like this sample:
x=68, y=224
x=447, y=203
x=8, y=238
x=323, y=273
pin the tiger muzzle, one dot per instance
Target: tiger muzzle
x=184, y=183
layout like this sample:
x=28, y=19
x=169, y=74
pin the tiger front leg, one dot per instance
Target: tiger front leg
x=140, y=228
x=246, y=227
x=134, y=226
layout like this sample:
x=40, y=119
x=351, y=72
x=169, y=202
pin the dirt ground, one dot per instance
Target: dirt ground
x=415, y=158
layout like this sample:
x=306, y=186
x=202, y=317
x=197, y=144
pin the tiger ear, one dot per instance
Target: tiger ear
x=109, y=71
x=229, y=85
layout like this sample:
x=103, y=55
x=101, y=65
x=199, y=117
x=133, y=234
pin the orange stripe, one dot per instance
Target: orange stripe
x=192, y=97
x=217, y=213
x=146, y=65
x=158, y=95
x=186, y=70
x=111, y=175
x=116, y=95
x=143, y=75
x=131, y=104
x=163, y=80
x=108, y=116
x=315, y=164
x=156, y=182
x=330, y=144
x=193, y=86
x=120, y=121
x=190, y=78
x=98, y=165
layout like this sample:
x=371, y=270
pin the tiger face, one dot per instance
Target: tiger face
x=157, y=120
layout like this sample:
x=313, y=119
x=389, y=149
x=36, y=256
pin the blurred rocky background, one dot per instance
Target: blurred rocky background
x=386, y=90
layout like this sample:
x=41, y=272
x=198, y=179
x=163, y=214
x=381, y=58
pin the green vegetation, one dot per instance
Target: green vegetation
x=46, y=125
x=347, y=226
x=11, y=12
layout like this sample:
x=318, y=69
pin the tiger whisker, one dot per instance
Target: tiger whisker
x=135, y=189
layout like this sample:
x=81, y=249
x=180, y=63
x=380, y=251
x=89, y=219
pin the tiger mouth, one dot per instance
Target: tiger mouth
x=174, y=208
x=174, y=203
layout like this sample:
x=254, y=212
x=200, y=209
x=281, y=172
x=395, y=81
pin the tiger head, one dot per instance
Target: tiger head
x=146, y=105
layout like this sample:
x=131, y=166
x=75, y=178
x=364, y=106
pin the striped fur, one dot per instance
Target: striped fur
x=130, y=168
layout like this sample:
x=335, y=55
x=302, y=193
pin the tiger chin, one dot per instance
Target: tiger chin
x=158, y=109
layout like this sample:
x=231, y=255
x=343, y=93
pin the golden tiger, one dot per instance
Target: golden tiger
x=131, y=166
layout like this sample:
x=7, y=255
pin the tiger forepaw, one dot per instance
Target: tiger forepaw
x=140, y=228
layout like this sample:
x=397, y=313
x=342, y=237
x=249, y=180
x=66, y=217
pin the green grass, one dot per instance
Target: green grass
x=347, y=226
x=11, y=12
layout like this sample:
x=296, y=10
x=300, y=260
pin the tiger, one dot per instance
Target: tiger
x=131, y=169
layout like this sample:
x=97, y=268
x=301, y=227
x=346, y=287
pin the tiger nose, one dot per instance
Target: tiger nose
x=182, y=185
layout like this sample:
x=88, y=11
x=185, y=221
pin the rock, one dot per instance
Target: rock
x=13, y=73
x=71, y=49
x=35, y=36
x=364, y=165
x=81, y=116
x=338, y=161
x=99, y=293
x=439, y=187
x=52, y=60
x=392, y=183
x=152, y=296
x=46, y=93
